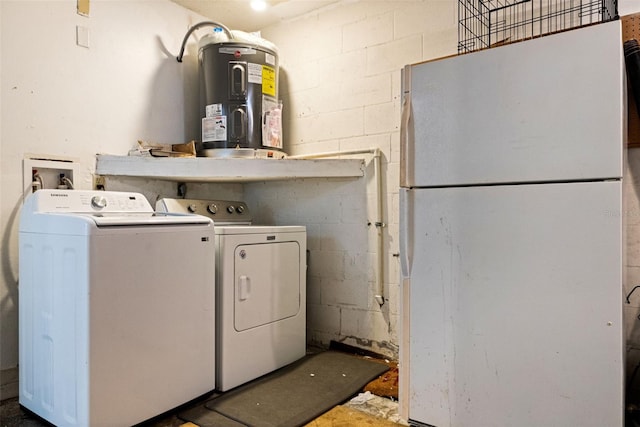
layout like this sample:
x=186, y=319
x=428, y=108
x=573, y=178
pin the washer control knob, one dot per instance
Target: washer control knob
x=212, y=208
x=192, y=208
x=240, y=209
x=99, y=202
x=230, y=209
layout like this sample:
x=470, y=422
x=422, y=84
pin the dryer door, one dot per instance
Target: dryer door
x=267, y=283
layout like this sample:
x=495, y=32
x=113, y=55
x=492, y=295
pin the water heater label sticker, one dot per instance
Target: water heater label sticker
x=214, y=128
x=270, y=59
x=237, y=51
x=212, y=110
x=255, y=73
x=271, y=122
x=268, y=80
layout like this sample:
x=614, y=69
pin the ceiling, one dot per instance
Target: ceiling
x=238, y=15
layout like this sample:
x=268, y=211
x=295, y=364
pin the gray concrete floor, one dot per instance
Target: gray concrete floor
x=12, y=415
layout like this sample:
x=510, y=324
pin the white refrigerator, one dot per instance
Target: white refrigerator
x=511, y=234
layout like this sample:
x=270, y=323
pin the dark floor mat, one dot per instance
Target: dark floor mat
x=204, y=417
x=295, y=394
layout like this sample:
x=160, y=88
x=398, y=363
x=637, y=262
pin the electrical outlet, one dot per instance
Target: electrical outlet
x=82, y=36
x=99, y=182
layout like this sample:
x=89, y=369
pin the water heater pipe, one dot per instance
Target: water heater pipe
x=195, y=27
x=379, y=223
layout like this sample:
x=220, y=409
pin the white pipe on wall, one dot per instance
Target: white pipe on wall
x=379, y=223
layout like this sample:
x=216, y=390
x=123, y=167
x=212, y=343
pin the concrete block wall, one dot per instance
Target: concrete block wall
x=340, y=83
x=631, y=310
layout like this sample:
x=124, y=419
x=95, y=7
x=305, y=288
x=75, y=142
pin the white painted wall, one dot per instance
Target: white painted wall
x=628, y=7
x=64, y=100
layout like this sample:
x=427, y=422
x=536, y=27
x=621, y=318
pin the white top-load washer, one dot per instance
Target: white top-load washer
x=260, y=291
x=116, y=308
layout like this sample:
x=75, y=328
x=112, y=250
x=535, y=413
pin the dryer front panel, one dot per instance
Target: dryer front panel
x=267, y=283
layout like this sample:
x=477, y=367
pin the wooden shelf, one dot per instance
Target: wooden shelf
x=207, y=169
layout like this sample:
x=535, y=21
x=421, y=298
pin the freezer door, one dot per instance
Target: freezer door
x=515, y=310
x=548, y=109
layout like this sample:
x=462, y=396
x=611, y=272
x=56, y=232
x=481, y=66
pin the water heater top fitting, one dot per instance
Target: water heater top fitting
x=218, y=35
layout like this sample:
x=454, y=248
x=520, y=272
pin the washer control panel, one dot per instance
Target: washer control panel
x=88, y=201
x=220, y=211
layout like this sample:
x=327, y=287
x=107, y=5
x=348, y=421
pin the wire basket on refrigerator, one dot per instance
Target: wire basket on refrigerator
x=487, y=23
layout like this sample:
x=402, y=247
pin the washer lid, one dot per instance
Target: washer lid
x=60, y=211
x=154, y=218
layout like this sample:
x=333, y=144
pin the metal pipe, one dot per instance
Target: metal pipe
x=377, y=167
x=379, y=223
x=195, y=27
x=334, y=153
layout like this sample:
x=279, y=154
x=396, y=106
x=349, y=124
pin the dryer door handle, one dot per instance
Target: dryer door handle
x=244, y=288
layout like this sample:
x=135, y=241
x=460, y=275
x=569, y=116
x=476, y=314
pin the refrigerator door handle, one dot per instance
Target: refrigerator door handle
x=406, y=231
x=406, y=141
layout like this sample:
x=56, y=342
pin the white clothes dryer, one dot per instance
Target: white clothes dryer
x=260, y=291
x=116, y=308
